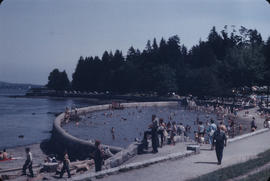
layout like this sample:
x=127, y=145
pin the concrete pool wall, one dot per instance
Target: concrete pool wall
x=79, y=148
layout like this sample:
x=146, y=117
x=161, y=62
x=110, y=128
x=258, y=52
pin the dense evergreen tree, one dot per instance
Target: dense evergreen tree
x=266, y=52
x=58, y=80
x=227, y=59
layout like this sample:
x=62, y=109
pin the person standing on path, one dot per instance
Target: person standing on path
x=201, y=132
x=154, y=134
x=28, y=163
x=66, y=163
x=98, y=156
x=161, y=129
x=253, y=125
x=219, y=141
x=211, y=130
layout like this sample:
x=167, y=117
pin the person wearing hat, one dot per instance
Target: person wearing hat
x=219, y=142
x=98, y=156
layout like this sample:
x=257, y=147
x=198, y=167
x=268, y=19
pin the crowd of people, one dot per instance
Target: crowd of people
x=210, y=132
x=71, y=114
x=161, y=132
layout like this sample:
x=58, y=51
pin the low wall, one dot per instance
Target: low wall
x=124, y=155
x=79, y=148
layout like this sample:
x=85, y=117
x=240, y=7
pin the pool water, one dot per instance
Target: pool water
x=130, y=123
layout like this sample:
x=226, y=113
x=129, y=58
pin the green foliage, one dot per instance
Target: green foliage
x=261, y=176
x=165, y=80
x=58, y=80
x=226, y=60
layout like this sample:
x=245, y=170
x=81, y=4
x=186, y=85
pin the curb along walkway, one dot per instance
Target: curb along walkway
x=167, y=152
x=238, y=150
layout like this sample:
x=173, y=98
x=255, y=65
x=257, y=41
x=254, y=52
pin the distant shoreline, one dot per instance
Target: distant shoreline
x=120, y=98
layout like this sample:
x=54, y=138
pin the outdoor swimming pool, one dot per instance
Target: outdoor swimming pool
x=130, y=123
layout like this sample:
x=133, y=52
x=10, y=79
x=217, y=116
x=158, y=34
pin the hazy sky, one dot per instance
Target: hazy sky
x=39, y=35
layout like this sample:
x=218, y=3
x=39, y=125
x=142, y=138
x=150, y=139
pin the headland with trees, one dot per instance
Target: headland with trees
x=227, y=60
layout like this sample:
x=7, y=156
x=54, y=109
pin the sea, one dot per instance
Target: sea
x=25, y=121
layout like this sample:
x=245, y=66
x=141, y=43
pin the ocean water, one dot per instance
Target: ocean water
x=30, y=117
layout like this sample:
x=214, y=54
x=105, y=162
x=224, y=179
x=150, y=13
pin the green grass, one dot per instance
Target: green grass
x=261, y=176
x=237, y=169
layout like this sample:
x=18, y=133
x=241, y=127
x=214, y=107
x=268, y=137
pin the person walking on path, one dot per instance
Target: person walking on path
x=28, y=163
x=98, y=156
x=211, y=130
x=219, y=141
x=66, y=163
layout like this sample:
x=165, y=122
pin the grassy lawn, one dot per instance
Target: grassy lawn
x=238, y=169
x=261, y=176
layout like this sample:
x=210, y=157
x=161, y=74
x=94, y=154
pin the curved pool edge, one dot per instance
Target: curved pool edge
x=80, y=148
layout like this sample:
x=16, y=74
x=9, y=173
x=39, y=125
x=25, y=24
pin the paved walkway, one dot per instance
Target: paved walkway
x=200, y=164
x=252, y=113
x=165, y=150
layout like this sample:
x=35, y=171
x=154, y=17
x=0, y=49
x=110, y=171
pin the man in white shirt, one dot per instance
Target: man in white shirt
x=28, y=163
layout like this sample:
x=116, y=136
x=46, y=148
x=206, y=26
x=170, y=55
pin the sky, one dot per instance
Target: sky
x=37, y=36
